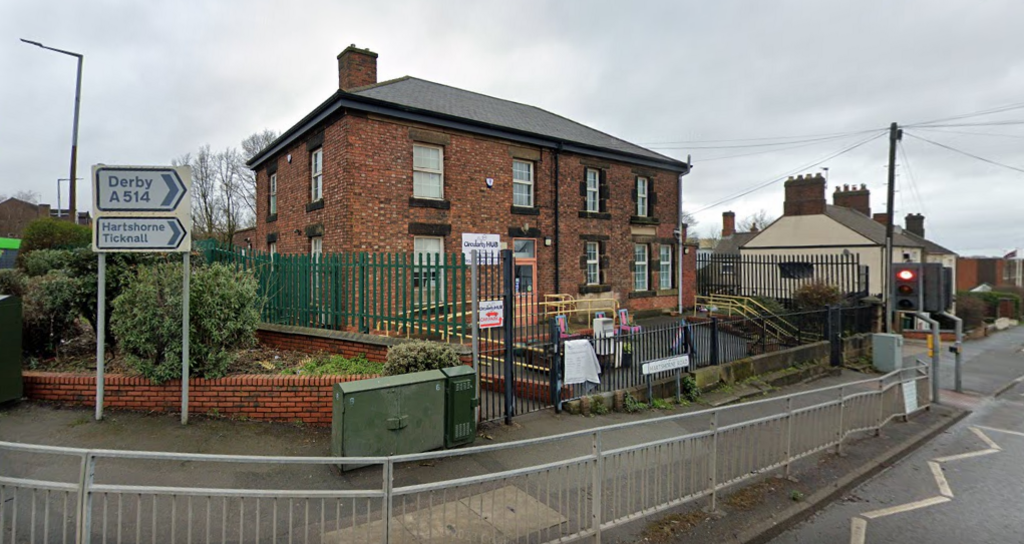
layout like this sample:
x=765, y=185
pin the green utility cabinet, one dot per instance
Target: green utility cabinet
x=392, y=415
x=460, y=406
x=11, y=387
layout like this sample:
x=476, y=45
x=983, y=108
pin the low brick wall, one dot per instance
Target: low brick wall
x=265, y=398
x=348, y=344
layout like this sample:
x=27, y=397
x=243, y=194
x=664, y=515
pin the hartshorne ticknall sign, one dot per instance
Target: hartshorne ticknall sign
x=141, y=209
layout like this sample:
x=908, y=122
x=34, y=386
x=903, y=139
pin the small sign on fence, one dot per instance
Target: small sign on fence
x=910, y=397
x=492, y=313
x=670, y=363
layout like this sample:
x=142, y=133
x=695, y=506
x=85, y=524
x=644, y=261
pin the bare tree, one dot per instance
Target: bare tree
x=207, y=200
x=27, y=196
x=227, y=168
x=755, y=221
x=252, y=145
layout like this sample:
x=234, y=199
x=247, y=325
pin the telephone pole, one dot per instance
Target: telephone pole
x=895, y=135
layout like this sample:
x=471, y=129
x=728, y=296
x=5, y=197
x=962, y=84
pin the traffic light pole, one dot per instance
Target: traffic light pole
x=934, y=353
x=958, y=350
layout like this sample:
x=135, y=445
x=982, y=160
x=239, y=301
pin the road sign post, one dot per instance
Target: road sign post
x=141, y=209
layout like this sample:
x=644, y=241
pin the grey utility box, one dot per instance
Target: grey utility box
x=11, y=386
x=887, y=352
x=392, y=415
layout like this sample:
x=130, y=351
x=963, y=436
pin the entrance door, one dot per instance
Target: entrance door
x=524, y=253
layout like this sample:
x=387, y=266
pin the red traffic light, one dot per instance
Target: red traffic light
x=905, y=275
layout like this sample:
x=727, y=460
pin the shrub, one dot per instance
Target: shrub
x=147, y=319
x=813, y=296
x=42, y=261
x=12, y=282
x=49, y=233
x=335, y=365
x=772, y=305
x=418, y=356
x=689, y=388
x=971, y=310
x=991, y=301
x=49, y=312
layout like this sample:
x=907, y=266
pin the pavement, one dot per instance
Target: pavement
x=963, y=486
x=45, y=424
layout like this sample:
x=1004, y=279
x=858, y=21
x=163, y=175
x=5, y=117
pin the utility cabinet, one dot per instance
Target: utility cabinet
x=11, y=386
x=887, y=352
x=392, y=415
x=460, y=406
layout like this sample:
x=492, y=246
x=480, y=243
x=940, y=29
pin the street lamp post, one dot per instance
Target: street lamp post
x=73, y=212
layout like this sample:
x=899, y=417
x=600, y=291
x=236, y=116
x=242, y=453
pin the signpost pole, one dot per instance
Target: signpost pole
x=101, y=330
x=475, y=298
x=187, y=258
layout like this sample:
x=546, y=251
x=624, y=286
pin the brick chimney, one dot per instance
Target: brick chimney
x=805, y=195
x=44, y=210
x=855, y=198
x=915, y=223
x=728, y=224
x=356, y=68
x=882, y=218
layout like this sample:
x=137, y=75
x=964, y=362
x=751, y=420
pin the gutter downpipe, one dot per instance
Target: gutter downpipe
x=558, y=150
x=682, y=239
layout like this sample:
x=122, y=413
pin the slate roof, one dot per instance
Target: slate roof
x=427, y=95
x=929, y=246
x=869, y=228
x=731, y=245
x=417, y=96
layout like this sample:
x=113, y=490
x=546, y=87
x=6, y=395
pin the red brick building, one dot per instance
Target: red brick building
x=16, y=214
x=409, y=165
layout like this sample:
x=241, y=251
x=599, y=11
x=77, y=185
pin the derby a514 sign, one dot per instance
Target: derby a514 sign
x=142, y=208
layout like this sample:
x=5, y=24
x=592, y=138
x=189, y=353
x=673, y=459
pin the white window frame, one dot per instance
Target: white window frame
x=640, y=280
x=436, y=260
x=316, y=247
x=273, y=193
x=529, y=183
x=593, y=263
x=593, y=190
x=665, y=267
x=641, y=197
x=439, y=171
x=316, y=168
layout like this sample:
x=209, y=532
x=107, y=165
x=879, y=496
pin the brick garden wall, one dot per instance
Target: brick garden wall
x=265, y=398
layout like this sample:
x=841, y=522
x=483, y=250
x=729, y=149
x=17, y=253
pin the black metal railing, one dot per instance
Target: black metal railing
x=779, y=277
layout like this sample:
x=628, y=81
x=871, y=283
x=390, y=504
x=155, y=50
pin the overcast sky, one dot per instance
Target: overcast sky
x=163, y=78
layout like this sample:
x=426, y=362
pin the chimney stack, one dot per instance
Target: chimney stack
x=805, y=195
x=728, y=224
x=854, y=198
x=882, y=218
x=356, y=68
x=915, y=224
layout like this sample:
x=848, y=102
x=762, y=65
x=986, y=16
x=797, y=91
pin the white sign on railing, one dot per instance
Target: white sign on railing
x=492, y=313
x=670, y=363
x=910, y=396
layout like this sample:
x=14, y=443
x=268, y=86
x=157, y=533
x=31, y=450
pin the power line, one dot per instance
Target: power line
x=736, y=156
x=987, y=124
x=989, y=111
x=910, y=176
x=764, y=138
x=764, y=184
x=962, y=152
x=996, y=134
x=812, y=140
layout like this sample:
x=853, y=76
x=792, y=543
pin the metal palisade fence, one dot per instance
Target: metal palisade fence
x=391, y=293
x=779, y=276
x=559, y=488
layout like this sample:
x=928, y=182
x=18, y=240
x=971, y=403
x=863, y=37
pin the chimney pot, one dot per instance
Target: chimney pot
x=915, y=224
x=728, y=224
x=853, y=198
x=805, y=195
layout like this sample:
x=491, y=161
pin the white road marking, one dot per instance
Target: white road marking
x=859, y=525
x=899, y=509
x=985, y=438
x=964, y=455
x=858, y=531
x=940, y=480
x=1007, y=431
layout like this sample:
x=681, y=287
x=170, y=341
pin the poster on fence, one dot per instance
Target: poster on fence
x=492, y=313
x=910, y=397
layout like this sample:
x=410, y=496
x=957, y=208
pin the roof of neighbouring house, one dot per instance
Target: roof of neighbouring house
x=417, y=98
x=10, y=243
x=929, y=246
x=730, y=245
x=869, y=228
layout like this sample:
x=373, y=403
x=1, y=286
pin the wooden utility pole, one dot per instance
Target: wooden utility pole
x=895, y=134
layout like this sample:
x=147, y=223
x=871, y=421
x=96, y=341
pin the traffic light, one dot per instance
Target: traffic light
x=937, y=284
x=907, y=287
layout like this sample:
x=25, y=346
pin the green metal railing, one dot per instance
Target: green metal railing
x=392, y=293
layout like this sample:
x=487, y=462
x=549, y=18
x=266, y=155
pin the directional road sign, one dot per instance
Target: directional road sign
x=138, y=189
x=139, y=233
